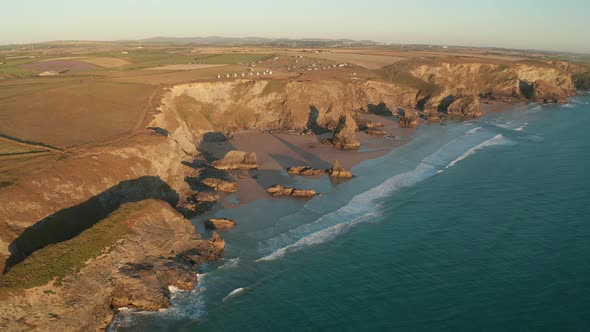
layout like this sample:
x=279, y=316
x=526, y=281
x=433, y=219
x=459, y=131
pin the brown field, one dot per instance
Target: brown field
x=106, y=62
x=74, y=114
x=184, y=67
x=8, y=147
x=60, y=66
x=73, y=109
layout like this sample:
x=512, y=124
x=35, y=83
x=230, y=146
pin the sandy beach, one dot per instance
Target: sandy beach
x=277, y=151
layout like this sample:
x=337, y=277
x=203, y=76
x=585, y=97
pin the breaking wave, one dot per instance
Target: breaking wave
x=362, y=208
x=496, y=140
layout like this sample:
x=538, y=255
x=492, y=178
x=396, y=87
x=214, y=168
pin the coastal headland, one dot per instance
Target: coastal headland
x=107, y=149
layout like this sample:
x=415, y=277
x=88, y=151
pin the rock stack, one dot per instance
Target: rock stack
x=338, y=171
x=345, y=134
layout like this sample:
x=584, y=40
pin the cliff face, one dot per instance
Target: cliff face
x=64, y=194
x=159, y=249
x=436, y=80
x=276, y=105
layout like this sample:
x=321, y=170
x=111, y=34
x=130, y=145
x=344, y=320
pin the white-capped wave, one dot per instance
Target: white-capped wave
x=473, y=131
x=521, y=128
x=318, y=237
x=230, y=263
x=534, y=109
x=356, y=209
x=496, y=140
x=569, y=105
x=235, y=292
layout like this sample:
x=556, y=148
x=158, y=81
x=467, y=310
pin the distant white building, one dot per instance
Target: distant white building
x=124, y=52
x=219, y=76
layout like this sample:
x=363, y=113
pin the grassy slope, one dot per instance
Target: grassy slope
x=61, y=259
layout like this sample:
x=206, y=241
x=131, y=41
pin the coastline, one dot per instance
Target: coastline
x=278, y=151
x=270, y=221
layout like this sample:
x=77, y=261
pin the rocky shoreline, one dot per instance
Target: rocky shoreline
x=143, y=181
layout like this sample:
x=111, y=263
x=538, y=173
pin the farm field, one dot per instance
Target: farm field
x=184, y=67
x=73, y=114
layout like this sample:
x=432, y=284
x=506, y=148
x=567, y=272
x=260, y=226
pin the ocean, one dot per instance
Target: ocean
x=471, y=226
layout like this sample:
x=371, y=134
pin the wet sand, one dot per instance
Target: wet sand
x=277, y=152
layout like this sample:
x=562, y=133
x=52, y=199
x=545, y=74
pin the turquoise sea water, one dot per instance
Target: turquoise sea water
x=483, y=225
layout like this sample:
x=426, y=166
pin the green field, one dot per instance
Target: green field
x=9, y=69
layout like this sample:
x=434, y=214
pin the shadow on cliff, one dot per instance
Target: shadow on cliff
x=68, y=223
x=379, y=109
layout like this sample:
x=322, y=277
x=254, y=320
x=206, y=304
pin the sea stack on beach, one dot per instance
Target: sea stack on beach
x=345, y=134
x=338, y=171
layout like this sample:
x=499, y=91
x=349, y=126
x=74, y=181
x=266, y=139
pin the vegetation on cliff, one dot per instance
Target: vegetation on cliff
x=58, y=260
x=582, y=80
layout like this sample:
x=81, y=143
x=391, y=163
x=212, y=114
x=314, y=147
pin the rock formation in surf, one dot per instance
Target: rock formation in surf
x=220, y=223
x=338, y=171
x=279, y=190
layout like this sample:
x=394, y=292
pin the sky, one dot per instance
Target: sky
x=561, y=25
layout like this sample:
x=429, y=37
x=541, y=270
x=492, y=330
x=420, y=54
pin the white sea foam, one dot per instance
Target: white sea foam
x=235, y=292
x=361, y=208
x=534, y=109
x=318, y=237
x=496, y=140
x=521, y=128
x=473, y=131
x=569, y=105
x=230, y=263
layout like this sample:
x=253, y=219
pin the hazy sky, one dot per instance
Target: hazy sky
x=543, y=24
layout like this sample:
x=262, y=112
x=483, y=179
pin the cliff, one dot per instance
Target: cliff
x=57, y=197
x=128, y=259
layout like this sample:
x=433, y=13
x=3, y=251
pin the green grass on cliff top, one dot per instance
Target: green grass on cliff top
x=59, y=260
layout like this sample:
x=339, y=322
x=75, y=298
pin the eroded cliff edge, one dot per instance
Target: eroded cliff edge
x=58, y=197
x=130, y=259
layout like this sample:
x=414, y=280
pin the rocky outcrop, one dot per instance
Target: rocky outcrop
x=461, y=77
x=205, y=197
x=217, y=242
x=135, y=271
x=220, y=223
x=546, y=92
x=304, y=170
x=338, y=171
x=409, y=119
x=376, y=132
x=374, y=125
x=466, y=107
x=278, y=190
x=345, y=134
x=221, y=185
x=236, y=160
